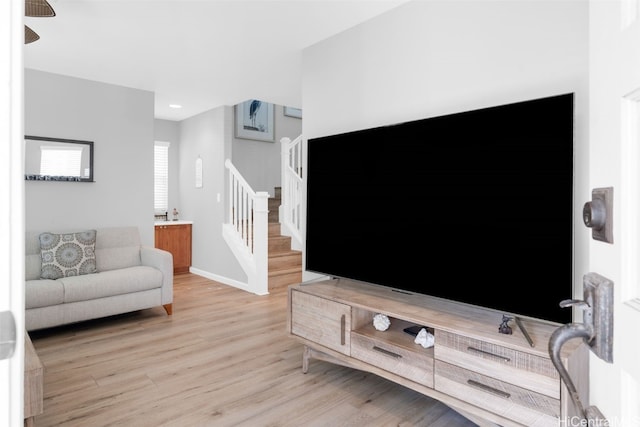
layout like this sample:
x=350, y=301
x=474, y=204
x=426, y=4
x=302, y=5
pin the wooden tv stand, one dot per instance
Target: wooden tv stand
x=491, y=378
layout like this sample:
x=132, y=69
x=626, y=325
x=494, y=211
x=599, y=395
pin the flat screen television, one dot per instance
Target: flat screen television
x=474, y=207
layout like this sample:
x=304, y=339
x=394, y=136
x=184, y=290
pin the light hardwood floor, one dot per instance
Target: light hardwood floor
x=222, y=359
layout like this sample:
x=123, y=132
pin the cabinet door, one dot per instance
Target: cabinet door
x=322, y=321
x=177, y=240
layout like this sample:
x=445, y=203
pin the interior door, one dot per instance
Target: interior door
x=11, y=203
x=614, y=152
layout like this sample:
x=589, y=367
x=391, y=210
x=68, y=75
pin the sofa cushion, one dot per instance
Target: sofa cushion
x=116, y=258
x=117, y=247
x=68, y=254
x=33, y=266
x=109, y=283
x=43, y=293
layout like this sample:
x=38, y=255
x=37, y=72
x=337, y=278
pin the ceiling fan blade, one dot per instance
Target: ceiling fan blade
x=38, y=8
x=29, y=35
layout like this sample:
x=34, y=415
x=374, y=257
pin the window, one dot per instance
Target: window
x=161, y=177
x=60, y=161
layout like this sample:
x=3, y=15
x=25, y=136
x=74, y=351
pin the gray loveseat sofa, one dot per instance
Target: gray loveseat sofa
x=119, y=275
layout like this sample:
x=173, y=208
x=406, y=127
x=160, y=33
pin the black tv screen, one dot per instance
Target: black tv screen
x=474, y=207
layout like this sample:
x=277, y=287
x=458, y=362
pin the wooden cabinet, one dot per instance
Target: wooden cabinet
x=175, y=238
x=489, y=377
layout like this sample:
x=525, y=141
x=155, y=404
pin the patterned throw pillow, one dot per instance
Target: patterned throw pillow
x=70, y=254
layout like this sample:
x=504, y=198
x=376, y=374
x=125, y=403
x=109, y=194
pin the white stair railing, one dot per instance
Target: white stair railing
x=246, y=229
x=290, y=211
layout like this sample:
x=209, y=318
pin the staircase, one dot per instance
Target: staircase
x=264, y=233
x=285, y=264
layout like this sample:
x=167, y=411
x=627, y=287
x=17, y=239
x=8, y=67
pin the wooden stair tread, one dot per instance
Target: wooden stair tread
x=284, y=252
x=279, y=272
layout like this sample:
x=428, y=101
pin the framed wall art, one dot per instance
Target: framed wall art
x=57, y=159
x=254, y=120
x=293, y=112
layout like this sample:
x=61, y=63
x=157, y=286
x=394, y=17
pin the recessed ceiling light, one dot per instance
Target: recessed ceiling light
x=175, y=105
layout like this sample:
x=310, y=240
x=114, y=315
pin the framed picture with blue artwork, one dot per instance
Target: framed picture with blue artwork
x=254, y=120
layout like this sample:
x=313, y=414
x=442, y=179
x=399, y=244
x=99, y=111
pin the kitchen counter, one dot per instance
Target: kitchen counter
x=178, y=222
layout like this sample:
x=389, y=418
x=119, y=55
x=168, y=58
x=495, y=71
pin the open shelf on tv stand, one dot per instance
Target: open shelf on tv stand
x=492, y=378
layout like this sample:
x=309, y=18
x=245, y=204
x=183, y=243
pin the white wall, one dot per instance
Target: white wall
x=207, y=135
x=259, y=161
x=429, y=58
x=437, y=57
x=119, y=121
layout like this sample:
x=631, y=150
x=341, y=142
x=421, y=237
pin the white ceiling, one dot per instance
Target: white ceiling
x=200, y=54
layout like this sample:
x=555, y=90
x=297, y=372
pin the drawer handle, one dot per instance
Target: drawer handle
x=486, y=353
x=343, y=321
x=489, y=389
x=387, y=352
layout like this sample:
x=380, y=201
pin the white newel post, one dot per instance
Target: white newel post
x=260, y=242
x=284, y=167
x=284, y=157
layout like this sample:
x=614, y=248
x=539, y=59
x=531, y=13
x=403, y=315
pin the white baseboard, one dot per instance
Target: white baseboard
x=221, y=279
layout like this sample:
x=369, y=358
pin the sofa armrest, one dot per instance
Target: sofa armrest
x=163, y=261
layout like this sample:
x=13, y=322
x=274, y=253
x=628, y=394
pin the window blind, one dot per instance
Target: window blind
x=60, y=161
x=161, y=177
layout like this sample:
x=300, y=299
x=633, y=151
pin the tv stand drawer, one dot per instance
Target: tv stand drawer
x=521, y=405
x=498, y=362
x=414, y=365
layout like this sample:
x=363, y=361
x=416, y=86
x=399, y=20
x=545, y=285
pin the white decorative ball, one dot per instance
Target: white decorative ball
x=381, y=322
